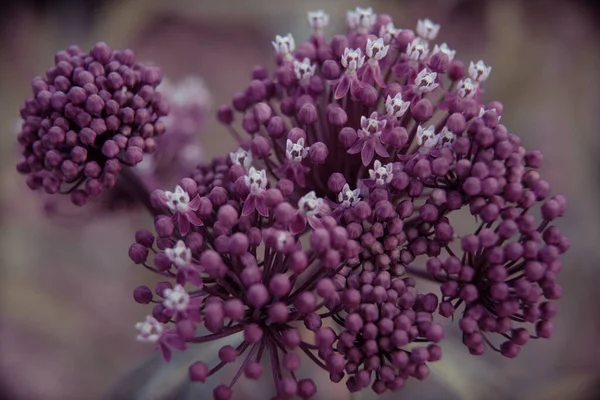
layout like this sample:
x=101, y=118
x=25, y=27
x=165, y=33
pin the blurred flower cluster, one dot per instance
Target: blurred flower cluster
x=310, y=243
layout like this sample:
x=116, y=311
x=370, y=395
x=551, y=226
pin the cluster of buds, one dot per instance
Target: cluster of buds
x=91, y=115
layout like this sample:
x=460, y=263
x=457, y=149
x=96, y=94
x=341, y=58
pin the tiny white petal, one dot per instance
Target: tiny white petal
x=479, y=72
x=149, y=330
x=427, y=30
x=178, y=201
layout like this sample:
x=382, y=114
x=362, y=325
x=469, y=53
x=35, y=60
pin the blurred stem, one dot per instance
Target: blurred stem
x=138, y=189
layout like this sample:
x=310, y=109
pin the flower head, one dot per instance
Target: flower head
x=425, y=81
x=417, y=50
x=361, y=19
x=479, y=72
x=390, y=166
x=304, y=70
x=376, y=50
x=381, y=174
x=284, y=46
x=427, y=30
x=396, y=107
x=91, y=115
x=258, y=299
x=318, y=20
x=388, y=32
x=352, y=60
x=241, y=157
x=149, y=330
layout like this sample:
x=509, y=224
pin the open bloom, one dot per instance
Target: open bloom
x=256, y=280
x=374, y=177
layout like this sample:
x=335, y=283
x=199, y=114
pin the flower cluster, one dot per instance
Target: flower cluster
x=390, y=133
x=312, y=238
x=92, y=114
x=237, y=271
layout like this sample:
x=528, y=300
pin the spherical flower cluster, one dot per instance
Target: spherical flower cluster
x=390, y=132
x=357, y=154
x=237, y=272
x=92, y=114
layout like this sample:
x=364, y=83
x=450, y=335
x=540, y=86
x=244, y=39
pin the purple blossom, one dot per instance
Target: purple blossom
x=91, y=115
x=428, y=146
x=266, y=295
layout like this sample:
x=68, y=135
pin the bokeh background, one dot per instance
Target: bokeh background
x=66, y=313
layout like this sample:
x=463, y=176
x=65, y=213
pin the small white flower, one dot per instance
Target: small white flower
x=304, y=70
x=479, y=72
x=347, y=197
x=376, y=50
x=176, y=299
x=149, y=330
x=417, y=50
x=242, y=158
x=352, y=59
x=180, y=255
x=389, y=32
x=446, y=137
x=425, y=81
x=178, y=200
x=381, y=174
x=426, y=137
x=256, y=181
x=427, y=30
x=296, y=151
x=310, y=204
x=395, y=106
x=466, y=88
x=361, y=19
x=443, y=48
x=284, y=45
x=372, y=125
x=318, y=20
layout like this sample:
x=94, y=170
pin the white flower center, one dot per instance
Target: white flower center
x=426, y=29
x=348, y=197
x=425, y=81
x=296, y=151
x=256, y=181
x=417, y=49
x=376, y=50
x=309, y=204
x=352, y=59
x=149, y=330
x=361, y=19
x=242, y=158
x=396, y=107
x=426, y=137
x=178, y=200
x=466, y=88
x=318, y=20
x=284, y=45
x=176, y=299
x=180, y=255
x=303, y=70
x=479, y=72
x=381, y=174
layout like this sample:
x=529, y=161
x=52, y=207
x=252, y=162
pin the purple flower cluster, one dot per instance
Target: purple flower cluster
x=92, y=114
x=237, y=273
x=356, y=157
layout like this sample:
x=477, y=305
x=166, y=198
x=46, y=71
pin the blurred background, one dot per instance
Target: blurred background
x=66, y=312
